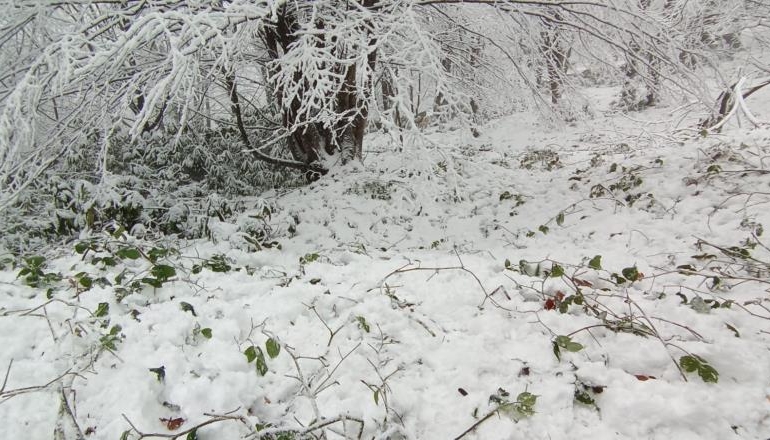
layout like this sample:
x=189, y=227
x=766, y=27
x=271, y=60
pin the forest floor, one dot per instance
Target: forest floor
x=607, y=280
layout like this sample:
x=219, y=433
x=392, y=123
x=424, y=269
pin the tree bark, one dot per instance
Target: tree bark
x=308, y=141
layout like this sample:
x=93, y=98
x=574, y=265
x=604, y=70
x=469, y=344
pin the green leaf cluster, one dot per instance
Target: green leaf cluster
x=256, y=355
x=217, y=263
x=109, y=340
x=565, y=343
x=161, y=273
x=522, y=407
x=309, y=258
x=695, y=363
x=32, y=272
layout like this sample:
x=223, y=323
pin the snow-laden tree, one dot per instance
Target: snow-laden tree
x=298, y=79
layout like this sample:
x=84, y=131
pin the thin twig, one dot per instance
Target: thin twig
x=5, y=380
x=212, y=420
x=476, y=425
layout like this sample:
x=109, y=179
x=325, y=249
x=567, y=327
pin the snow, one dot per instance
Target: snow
x=409, y=295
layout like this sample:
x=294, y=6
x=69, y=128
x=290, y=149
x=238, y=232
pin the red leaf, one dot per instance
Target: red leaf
x=581, y=283
x=559, y=295
x=643, y=377
x=173, y=424
x=550, y=304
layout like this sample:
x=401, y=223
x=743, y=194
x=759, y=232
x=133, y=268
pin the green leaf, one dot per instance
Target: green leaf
x=377, y=397
x=35, y=261
x=735, y=330
x=121, y=276
x=630, y=273
x=160, y=372
x=526, y=399
x=584, y=398
x=206, y=332
x=153, y=282
x=689, y=363
x=573, y=346
x=187, y=307
x=86, y=281
x=251, y=354
x=543, y=228
x=363, y=324
x=108, y=343
x=102, y=310
x=556, y=350
x=155, y=253
x=108, y=261
x=272, y=347
x=563, y=340
x=119, y=232
x=556, y=271
x=560, y=219
x=129, y=253
x=260, y=362
x=507, y=264
x=308, y=258
x=596, y=262
x=708, y=373
x=82, y=247
x=192, y=435
x=568, y=344
x=162, y=272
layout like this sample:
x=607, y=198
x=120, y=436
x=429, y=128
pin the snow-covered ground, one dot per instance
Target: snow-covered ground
x=430, y=293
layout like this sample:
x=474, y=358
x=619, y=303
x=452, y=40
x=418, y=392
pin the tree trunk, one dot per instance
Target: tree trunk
x=556, y=57
x=309, y=141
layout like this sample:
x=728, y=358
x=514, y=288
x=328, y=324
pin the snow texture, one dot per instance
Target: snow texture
x=392, y=303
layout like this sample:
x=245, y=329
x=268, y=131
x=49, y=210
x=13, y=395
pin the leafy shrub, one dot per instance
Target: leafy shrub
x=161, y=183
